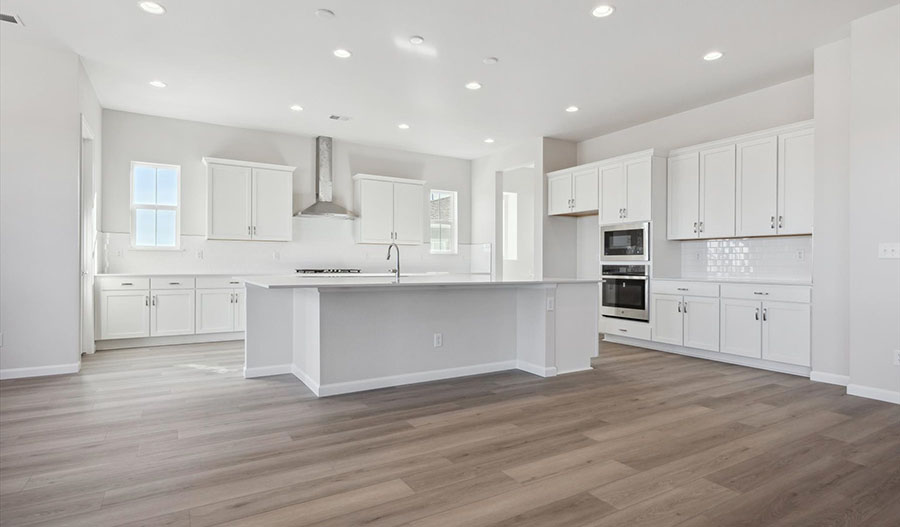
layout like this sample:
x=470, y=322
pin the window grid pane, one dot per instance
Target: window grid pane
x=155, y=203
x=145, y=227
x=442, y=220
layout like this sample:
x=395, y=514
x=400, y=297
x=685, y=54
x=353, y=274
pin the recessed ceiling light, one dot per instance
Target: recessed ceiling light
x=488, y=140
x=342, y=53
x=296, y=108
x=712, y=55
x=490, y=60
x=403, y=126
x=474, y=85
x=602, y=11
x=153, y=8
x=158, y=84
x=324, y=13
x=572, y=109
x=416, y=40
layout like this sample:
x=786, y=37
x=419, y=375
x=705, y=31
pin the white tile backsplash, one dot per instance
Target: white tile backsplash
x=783, y=258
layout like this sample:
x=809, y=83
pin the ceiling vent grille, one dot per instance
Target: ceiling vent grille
x=338, y=117
x=12, y=19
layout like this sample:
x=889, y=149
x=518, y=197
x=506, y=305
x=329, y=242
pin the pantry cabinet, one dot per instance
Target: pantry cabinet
x=391, y=210
x=573, y=192
x=248, y=201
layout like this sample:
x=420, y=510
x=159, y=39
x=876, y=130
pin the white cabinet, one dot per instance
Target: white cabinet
x=740, y=320
x=215, y=310
x=717, y=182
x=248, y=201
x=171, y=312
x=757, y=186
x=391, y=210
x=240, y=310
x=625, y=191
x=573, y=192
x=613, y=193
x=683, y=196
x=785, y=332
x=124, y=314
x=691, y=321
x=796, y=168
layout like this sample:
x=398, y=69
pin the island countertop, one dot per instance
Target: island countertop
x=414, y=280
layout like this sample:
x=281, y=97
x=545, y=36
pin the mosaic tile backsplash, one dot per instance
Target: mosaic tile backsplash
x=783, y=258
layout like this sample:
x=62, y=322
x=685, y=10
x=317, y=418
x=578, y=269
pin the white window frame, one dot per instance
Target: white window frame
x=135, y=207
x=454, y=223
x=510, y=226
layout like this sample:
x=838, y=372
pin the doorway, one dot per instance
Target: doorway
x=518, y=221
x=87, y=237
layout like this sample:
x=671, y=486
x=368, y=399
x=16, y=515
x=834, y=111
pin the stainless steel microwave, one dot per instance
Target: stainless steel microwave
x=625, y=241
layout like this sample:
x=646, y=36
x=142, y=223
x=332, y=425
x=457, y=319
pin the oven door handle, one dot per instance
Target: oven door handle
x=624, y=277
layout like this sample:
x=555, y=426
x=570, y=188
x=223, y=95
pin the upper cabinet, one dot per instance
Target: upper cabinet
x=391, y=210
x=248, y=201
x=572, y=192
x=755, y=185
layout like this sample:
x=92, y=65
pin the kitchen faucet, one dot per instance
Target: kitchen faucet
x=397, y=270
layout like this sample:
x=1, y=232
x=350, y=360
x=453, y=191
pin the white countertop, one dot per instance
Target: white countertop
x=416, y=280
x=101, y=275
x=714, y=280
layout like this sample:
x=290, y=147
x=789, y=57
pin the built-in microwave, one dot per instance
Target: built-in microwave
x=625, y=241
x=625, y=292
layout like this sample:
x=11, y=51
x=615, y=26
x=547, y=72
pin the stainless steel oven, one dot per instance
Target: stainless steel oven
x=626, y=241
x=625, y=292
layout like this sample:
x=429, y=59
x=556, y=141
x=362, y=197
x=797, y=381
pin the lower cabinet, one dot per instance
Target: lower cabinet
x=124, y=314
x=776, y=331
x=741, y=329
x=171, y=312
x=691, y=321
x=220, y=310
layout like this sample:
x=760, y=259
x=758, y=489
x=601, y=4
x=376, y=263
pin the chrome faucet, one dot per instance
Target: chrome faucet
x=397, y=270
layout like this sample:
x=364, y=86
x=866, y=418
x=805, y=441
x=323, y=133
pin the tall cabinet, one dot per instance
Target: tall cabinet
x=248, y=201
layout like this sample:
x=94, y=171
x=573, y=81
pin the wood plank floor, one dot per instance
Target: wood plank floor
x=175, y=436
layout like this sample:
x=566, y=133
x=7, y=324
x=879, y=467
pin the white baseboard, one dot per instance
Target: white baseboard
x=830, y=378
x=411, y=378
x=265, y=371
x=762, y=364
x=869, y=392
x=305, y=379
x=540, y=371
x=39, y=371
x=146, y=342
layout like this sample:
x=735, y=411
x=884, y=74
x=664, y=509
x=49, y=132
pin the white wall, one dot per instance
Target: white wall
x=40, y=132
x=317, y=241
x=831, y=266
x=784, y=103
x=874, y=199
x=523, y=184
x=559, y=233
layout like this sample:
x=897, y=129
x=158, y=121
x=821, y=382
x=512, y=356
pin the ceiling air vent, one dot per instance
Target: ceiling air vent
x=338, y=117
x=12, y=19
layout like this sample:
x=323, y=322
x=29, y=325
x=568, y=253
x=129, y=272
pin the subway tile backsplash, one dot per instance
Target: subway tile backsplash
x=783, y=258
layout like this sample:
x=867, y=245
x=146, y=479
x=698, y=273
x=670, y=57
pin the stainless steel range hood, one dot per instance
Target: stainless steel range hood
x=325, y=185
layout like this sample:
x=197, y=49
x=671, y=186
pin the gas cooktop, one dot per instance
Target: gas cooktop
x=327, y=271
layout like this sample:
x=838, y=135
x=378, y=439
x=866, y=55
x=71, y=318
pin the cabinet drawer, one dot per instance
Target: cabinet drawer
x=672, y=287
x=171, y=282
x=118, y=283
x=218, y=282
x=625, y=328
x=762, y=292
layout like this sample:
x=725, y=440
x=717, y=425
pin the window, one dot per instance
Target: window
x=442, y=206
x=155, y=199
x=510, y=226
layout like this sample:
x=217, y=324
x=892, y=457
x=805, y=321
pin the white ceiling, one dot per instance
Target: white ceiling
x=244, y=63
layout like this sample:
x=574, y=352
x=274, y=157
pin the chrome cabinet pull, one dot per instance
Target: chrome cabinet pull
x=623, y=330
x=681, y=289
x=780, y=222
x=679, y=307
x=248, y=230
x=757, y=313
x=254, y=229
x=765, y=315
x=701, y=226
x=127, y=283
x=174, y=283
x=772, y=225
x=231, y=298
x=695, y=226
x=625, y=212
x=153, y=302
x=684, y=309
x=146, y=300
x=762, y=293
x=233, y=282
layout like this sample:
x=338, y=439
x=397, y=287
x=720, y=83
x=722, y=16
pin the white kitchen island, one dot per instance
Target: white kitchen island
x=341, y=335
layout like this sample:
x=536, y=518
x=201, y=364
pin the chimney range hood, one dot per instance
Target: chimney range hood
x=325, y=185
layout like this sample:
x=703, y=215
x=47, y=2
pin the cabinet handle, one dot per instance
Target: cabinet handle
x=231, y=298
x=762, y=293
x=127, y=283
x=684, y=309
x=623, y=330
x=146, y=300
x=765, y=315
x=701, y=226
x=248, y=230
x=236, y=298
x=772, y=225
x=154, y=300
x=254, y=229
x=625, y=213
x=780, y=222
x=695, y=226
x=681, y=289
x=174, y=283
x=757, y=313
x=233, y=282
x=679, y=307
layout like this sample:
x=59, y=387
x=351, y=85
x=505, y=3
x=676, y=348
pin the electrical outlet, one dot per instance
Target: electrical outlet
x=551, y=303
x=889, y=251
x=276, y=256
x=438, y=340
x=801, y=255
x=896, y=357
x=199, y=254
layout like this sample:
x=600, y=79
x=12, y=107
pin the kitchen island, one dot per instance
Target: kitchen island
x=350, y=334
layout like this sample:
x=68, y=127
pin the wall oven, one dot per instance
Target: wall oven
x=625, y=292
x=625, y=241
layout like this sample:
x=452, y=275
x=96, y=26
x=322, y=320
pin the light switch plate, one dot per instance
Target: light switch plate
x=896, y=357
x=438, y=340
x=551, y=303
x=889, y=251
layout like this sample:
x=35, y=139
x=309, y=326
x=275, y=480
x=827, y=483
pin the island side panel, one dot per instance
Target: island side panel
x=378, y=337
x=269, y=333
x=306, y=363
x=577, y=326
x=535, y=330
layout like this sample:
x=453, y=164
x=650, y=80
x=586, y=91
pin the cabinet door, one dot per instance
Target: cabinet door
x=409, y=214
x=741, y=327
x=717, y=177
x=637, y=190
x=701, y=322
x=757, y=186
x=585, y=190
x=613, y=198
x=240, y=309
x=215, y=310
x=559, y=194
x=376, y=211
x=272, y=204
x=172, y=312
x=124, y=314
x=228, y=214
x=683, y=198
x=667, y=319
x=796, y=168
x=785, y=332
